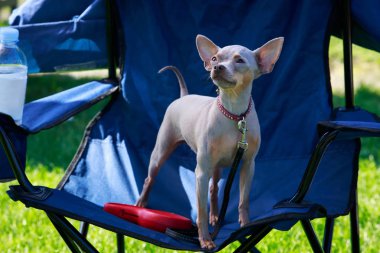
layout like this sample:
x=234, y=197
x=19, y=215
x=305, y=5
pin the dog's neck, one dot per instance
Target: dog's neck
x=236, y=100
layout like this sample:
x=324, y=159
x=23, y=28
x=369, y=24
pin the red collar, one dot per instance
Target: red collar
x=232, y=116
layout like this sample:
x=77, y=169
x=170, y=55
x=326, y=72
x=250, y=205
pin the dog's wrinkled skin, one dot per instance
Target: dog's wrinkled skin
x=212, y=136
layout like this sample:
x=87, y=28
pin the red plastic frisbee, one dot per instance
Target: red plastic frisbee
x=148, y=218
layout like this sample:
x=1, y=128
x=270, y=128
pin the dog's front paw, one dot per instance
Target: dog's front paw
x=206, y=242
x=243, y=218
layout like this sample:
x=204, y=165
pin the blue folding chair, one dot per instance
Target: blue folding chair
x=308, y=162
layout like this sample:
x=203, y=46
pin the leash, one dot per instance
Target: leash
x=191, y=235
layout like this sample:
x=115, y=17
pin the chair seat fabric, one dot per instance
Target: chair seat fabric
x=70, y=206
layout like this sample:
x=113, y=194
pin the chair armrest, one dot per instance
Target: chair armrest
x=55, y=109
x=332, y=131
x=351, y=129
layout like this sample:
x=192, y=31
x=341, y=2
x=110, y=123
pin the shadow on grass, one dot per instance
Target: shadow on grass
x=369, y=99
x=56, y=147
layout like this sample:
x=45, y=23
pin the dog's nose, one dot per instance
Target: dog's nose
x=219, y=67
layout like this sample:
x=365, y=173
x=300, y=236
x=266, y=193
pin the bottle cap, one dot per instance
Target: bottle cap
x=8, y=34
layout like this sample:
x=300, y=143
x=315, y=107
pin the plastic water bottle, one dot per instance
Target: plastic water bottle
x=13, y=75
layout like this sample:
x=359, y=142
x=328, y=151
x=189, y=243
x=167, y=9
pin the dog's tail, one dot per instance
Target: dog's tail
x=181, y=80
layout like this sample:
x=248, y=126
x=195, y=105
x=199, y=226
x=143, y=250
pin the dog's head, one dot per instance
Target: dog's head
x=235, y=65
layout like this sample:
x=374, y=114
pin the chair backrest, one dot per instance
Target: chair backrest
x=290, y=101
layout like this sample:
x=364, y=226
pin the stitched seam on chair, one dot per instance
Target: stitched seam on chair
x=84, y=143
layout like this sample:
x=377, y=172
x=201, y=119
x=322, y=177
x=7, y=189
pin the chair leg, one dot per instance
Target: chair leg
x=120, y=243
x=250, y=243
x=66, y=228
x=311, y=236
x=243, y=240
x=83, y=229
x=327, y=238
x=354, y=219
x=69, y=242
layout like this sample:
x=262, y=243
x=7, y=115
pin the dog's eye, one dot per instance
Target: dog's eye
x=213, y=58
x=240, y=60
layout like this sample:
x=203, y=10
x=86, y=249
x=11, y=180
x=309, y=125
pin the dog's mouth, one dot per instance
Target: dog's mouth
x=222, y=82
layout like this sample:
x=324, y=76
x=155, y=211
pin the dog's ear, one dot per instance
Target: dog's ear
x=206, y=49
x=267, y=55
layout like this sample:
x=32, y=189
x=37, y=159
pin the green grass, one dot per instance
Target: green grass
x=29, y=230
x=359, y=54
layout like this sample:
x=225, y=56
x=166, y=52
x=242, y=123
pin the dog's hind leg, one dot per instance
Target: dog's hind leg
x=167, y=141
